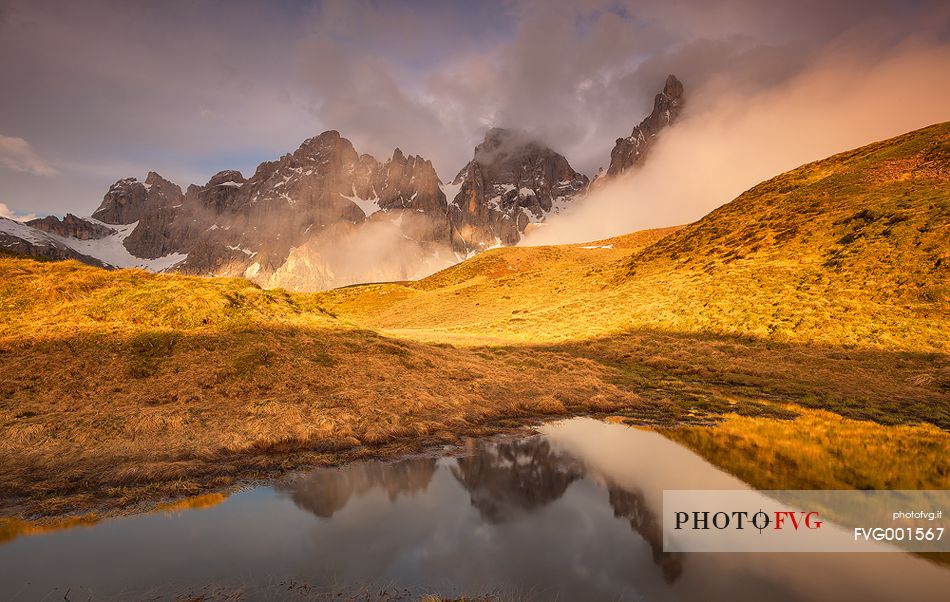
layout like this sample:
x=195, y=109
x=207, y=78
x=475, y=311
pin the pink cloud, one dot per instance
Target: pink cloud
x=18, y=155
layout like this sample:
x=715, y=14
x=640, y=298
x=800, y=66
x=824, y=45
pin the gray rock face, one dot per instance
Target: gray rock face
x=129, y=200
x=631, y=152
x=280, y=206
x=24, y=239
x=512, y=181
x=326, y=215
x=71, y=227
x=220, y=192
x=154, y=205
x=409, y=189
x=412, y=176
x=234, y=225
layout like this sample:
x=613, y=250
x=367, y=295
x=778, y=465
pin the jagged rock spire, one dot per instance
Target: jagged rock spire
x=631, y=152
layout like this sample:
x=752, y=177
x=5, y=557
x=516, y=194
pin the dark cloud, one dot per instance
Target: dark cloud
x=102, y=89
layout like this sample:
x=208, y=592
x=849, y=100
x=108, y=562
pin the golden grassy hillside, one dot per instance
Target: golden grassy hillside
x=43, y=299
x=119, y=385
x=852, y=250
x=825, y=286
x=506, y=295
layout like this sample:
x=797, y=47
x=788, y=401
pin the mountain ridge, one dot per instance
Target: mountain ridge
x=300, y=220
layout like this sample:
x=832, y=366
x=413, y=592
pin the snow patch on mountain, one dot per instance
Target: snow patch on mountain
x=451, y=190
x=110, y=249
x=27, y=233
x=367, y=206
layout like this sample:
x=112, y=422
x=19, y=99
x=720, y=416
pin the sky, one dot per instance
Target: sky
x=98, y=90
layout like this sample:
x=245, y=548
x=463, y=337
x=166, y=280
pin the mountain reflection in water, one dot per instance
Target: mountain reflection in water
x=324, y=492
x=573, y=514
x=504, y=480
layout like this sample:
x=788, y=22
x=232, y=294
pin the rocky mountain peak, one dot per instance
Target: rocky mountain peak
x=71, y=227
x=323, y=139
x=228, y=176
x=497, y=138
x=220, y=192
x=326, y=145
x=29, y=239
x=673, y=88
x=514, y=156
x=124, y=203
x=409, y=182
x=631, y=152
x=512, y=180
x=505, y=149
x=159, y=186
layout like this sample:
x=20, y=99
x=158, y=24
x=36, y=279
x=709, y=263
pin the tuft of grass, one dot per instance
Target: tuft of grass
x=148, y=350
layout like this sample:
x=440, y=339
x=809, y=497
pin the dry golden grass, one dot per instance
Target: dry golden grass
x=41, y=300
x=509, y=295
x=224, y=379
x=702, y=374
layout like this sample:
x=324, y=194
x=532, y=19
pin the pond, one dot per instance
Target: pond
x=572, y=513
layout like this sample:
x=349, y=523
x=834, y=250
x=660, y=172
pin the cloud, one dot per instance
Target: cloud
x=18, y=155
x=369, y=69
x=190, y=88
x=377, y=250
x=575, y=74
x=728, y=141
x=10, y=214
x=180, y=86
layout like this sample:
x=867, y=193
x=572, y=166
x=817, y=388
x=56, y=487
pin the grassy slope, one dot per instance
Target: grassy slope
x=825, y=286
x=503, y=296
x=119, y=385
x=851, y=250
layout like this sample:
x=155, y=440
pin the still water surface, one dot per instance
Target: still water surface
x=571, y=514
